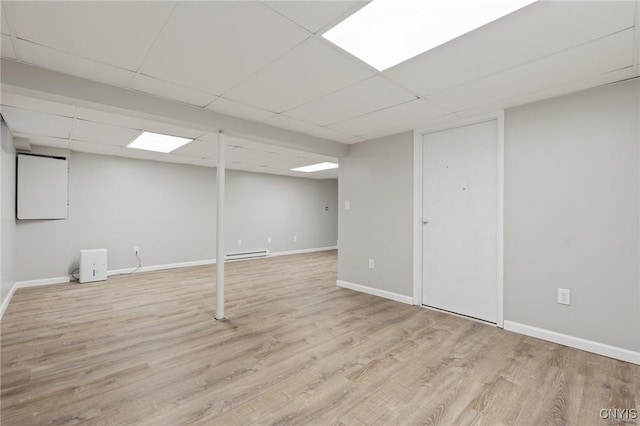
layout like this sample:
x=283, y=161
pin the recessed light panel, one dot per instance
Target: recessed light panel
x=316, y=167
x=387, y=32
x=158, y=142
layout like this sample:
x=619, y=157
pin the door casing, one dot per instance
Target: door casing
x=418, y=136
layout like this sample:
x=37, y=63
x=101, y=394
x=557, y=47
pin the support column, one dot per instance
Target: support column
x=220, y=177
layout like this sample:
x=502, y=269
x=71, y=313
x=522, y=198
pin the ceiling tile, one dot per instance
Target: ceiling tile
x=352, y=140
x=331, y=134
x=236, y=109
x=140, y=154
x=539, y=30
x=169, y=129
x=36, y=104
x=210, y=137
x=246, y=156
x=173, y=91
x=276, y=154
x=398, y=115
x=314, y=15
x=249, y=144
x=363, y=97
x=289, y=123
x=36, y=123
x=273, y=160
x=563, y=89
x=613, y=52
x=206, y=162
x=89, y=131
x=74, y=65
x=44, y=140
x=198, y=149
x=116, y=33
x=418, y=124
x=309, y=71
x=272, y=149
x=179, y=159
x=247, y=35
x=110, y=118
x=234, y=141
x=6, y=48
x=94, y=148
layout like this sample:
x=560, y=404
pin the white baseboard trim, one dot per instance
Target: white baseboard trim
x=45, y=281
x=7, y=299
x=375, y=292
x=210, y=261
x=30, y=283
x=161, y=267
x=61, y=280
x=310, y=250
x=575, y=342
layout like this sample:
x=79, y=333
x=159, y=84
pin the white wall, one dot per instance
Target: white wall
x=168, y=210
x=259, y=207
x=572, y=198
x=377, y=179
x=7, y=212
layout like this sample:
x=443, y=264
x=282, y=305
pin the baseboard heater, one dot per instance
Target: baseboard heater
x=246, y=255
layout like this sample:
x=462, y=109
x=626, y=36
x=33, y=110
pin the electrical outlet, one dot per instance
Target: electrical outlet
x=239, y=243
x=136, y=251
x=295, y=238
x=564, y=296
x=371, y=264
x=346, y=204
x=269, y=240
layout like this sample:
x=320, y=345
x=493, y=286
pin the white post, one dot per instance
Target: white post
x=220, y=175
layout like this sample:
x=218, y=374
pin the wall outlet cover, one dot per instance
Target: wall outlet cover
x=564, y=296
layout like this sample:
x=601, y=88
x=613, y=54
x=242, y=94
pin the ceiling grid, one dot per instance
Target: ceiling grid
x=266, y=63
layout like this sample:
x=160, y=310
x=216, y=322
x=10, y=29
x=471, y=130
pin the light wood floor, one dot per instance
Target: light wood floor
x=296, y=349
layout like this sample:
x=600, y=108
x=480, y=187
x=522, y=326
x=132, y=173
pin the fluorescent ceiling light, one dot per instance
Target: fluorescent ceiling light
x=387, y=32
x=316, y=167
x=158, y=142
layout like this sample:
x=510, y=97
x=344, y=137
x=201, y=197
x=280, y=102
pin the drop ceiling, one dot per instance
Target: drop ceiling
x=265, y=61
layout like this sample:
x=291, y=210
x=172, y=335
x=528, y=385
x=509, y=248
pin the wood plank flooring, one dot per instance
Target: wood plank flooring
x=295, y=349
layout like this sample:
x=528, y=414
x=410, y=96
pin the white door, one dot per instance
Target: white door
x=460, y=227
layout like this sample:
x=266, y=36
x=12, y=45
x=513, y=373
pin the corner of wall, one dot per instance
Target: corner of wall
x=376, y=181
x=7, y=217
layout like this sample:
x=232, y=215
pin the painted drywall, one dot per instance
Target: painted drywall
x=571, y=214
x=42, y=245
x=376, y=178
x=293, y=213
x=168, y=210
x=7, y=212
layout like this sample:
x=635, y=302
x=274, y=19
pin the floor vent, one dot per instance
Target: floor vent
x=246, y=255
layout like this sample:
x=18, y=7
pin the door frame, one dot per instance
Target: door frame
x=418, y=137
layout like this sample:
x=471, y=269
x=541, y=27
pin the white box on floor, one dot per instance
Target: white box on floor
x=93, y=265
